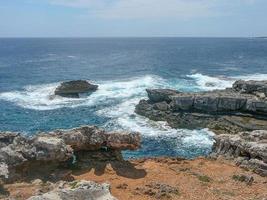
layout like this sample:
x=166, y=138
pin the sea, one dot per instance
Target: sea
x=31, y=69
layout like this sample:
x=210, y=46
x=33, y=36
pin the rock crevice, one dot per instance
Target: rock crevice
x=248, y=149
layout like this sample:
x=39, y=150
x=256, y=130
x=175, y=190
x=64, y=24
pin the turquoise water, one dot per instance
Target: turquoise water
x=30, y=70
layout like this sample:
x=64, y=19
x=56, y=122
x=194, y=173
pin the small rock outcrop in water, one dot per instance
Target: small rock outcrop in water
x=82, y=190
x=248, y=149
x=240, y=108
x=74, y=88
x=58, y=146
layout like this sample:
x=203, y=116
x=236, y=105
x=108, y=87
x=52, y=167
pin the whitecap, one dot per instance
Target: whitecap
x=205, y=82
x=40, y=97
x=123, y=117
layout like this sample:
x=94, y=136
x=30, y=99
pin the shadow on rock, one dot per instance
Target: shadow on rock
x=98, y=161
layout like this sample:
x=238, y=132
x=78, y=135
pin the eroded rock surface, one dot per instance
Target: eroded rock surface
x=3, y=172
x=241, y=108
x=248, y=149
x=18, y=151
x=75, y=88
x=79, y=190
x=251, y=87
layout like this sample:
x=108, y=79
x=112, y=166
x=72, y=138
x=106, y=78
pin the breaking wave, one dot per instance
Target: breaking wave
x=41, y=97
x=116, y=100
x=205, y=82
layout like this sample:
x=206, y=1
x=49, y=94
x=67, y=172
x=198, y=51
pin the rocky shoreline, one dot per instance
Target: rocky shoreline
x=76, y=163
x=19, y=155
x=223, y=111
x=246, y=149
x=238, y=116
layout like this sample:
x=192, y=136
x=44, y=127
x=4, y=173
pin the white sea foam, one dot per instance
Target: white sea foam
x=205, y=82
x=123, y=118
x=117, y=100
x=40, y=97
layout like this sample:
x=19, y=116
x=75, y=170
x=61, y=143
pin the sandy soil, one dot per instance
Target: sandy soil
x=163, y=178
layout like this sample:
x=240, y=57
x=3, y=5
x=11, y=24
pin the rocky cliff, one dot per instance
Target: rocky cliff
x=240, y=108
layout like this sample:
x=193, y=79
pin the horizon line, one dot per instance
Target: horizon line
x=77, y=37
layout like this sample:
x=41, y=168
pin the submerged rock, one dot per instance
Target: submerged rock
x=78, y=190
x=75, y=88
x=248, y=149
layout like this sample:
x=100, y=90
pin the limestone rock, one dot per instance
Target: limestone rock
x=74, y=88
x=3, y=172
x=93, y=138
x=51, y=148
x=210, y=109
x=17, y=150
x=251, y=87
x=248, y=149
x=158, y=95
x=82, y=190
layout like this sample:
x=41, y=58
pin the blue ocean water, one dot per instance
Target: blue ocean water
x=30, y=70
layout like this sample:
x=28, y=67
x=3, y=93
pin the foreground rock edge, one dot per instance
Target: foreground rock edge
x=246, y=149
x=78, y=190
x=18, y=152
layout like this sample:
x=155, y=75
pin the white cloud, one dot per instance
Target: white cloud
x=156, y=9
x=151, y=9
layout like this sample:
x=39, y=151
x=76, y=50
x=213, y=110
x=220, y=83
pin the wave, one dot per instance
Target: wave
x=41, y=97
x=123, y=117
x=116, y=100
x=205, y=82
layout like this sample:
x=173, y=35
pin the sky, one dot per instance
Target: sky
x=133, y=18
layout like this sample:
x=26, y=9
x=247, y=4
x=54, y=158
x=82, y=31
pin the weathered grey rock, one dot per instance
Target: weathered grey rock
x=82, y=190
x=183, y=101
x=93, y=138
x=211, y=109
x=7, y=138
x=249, y=149
x=51, y=148
x=15, y=149
x=74, y=88
x=158, y=95
x=163, y=106
x=218, y=101
x=3, y=172
x=251, y=87
x=258, y=106
x=60, y=146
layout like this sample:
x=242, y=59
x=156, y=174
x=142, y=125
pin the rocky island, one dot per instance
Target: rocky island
x=87, y=162
x=73, y=89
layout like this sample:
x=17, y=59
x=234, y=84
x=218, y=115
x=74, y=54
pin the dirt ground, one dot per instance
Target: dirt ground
x=163, y=178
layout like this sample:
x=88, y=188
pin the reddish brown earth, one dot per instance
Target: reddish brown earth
x=162, y=178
